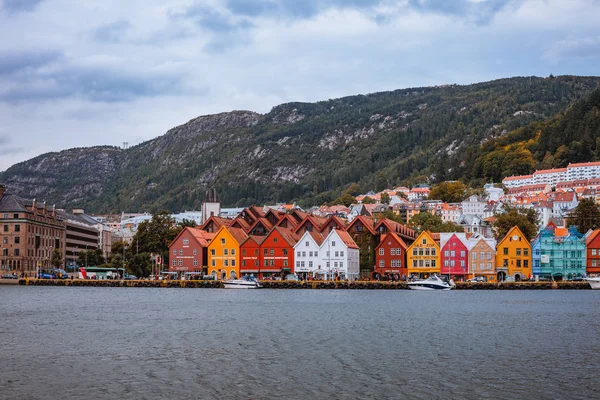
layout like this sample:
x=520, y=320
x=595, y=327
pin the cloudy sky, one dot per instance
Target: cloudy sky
x=90, y=72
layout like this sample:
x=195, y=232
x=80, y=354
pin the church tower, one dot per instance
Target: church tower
x=211, y=205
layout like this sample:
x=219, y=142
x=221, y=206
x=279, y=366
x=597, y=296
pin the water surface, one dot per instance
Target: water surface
x=142, y=343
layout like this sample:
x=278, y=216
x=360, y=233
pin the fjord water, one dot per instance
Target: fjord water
x=114, y=343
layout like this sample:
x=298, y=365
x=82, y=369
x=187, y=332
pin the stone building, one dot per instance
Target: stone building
x=30, y=232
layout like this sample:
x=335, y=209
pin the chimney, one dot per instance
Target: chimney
x=2, y=190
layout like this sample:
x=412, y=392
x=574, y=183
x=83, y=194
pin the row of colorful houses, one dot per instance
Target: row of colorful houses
x=274, y=244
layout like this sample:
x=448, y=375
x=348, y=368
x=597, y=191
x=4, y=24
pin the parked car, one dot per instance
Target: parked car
x=60, y=274
x=477, y=279
x=131, y=278
x=10, y=276
x=292, y=277
x=43, y=274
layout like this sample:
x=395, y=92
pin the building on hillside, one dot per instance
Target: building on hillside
x=577, y=171
x=448, y=212
x=390, y=257
x=454, y=255
x=474, y=205
x=30, y=232
x=475, y=224
x=559, y=254
x=549, y=176
x=362, y=231
x=482, y=257
x=224, y=254
x=493, y=193
x=251, y=260
x=277, y=253
x=419, y=193
x=563, y=203
x=189, y=253
x=81, y=235
x=408, y=210
x=592, y=194
x=530, y=189
x=515, y=181
x=423, y=256
x=308, y=257
x=593, y=253
x=513, y=256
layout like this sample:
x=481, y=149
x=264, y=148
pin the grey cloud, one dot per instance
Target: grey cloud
x=581, y=48
x=14, y=62
x=14, y=6
x=112, y=32
x=480, y=12
x=4, y=140
x=95, y=84
x=9, y=151
x=294, y=8
x=213, y=20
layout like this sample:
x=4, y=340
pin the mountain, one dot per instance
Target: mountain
x=308, y=152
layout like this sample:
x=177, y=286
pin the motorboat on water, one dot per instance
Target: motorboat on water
x=434, y=282
x=594, y=282
x=245, y=282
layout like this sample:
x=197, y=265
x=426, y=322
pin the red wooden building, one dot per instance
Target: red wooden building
x=390, y=257
x=251, y=257
x=454, y=255
x=277, y=252
x=188, y=252
x=593, y=253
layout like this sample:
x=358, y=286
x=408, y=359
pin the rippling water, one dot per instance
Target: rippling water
x=113, y=343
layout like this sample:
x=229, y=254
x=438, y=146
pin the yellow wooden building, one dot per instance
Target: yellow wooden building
x=423, y=256
x=224, y=253
x=513, y=256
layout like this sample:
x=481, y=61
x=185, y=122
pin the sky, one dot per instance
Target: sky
x=105, y=72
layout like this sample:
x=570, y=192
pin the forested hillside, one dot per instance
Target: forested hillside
x=569, y=137
x=310, y=152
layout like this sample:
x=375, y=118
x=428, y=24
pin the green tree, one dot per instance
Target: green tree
x=402, y=195
x=346, y=199
x=426, y=221
x=92, y=257
x=385, y=198
x=366, y=246
x=140, y=265
x=187, y=223
x=585, y=216
x=368, y=200
x=525, y=218
x=156, y=235
x=353, y=189
x=56, y=259
x=449, y=192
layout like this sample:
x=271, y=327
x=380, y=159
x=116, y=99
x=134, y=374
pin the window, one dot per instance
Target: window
x=593, y=252
x=174, y=262
x=186, y=242
x=518, y=252
x=195, y=252
x=180, y=252
x=233, y=263
x=213, y=263
x=303, y=254
x=414, y=263
x=243, y=252
x=525, y=263
x=505, y=250
x=446, y=253
x=452, y=253
x=243, y=263
x=225, y=252
x=15, y=216
x=433, y=263
x=233, y=252
x=381, y=251
x=414, y=252
x=297, y=264
x=306, y=244
x=285, y=263
x=462, y=253
x=226, y=263
x=462, y=263
x=474, y=256
x=5, y=241
x=518, y=263
x=180, y=262
x=381, y=263
x=333, y=243
x=195, y=263
x=392, y=252
x=222, y=240
x=593, y=263
x=337, y=254
x=5, y=228
x=341, y=254
x=421, y=251
x=17, y=239
x=433, y=252
x=298, y=254
x=274, y=240
x=17, y=228
x=213, y=252
x=525, y=252
x=285, y=252
x=272, y=252
x=266, y=252
x=256, y=263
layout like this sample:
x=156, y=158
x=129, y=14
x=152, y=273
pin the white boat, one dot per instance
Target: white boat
x=594, y=282
x=431, y=283
x=246, y=282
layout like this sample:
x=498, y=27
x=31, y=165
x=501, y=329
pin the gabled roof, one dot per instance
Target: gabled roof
x=241, y=223
x=397, y=227
x=564, y=196
x=291, y=220
x=202, y=237
x=511, y=232
x=255, y=238
x=288, y=235
x=392, y=235
x=261, y=221
x=218, y=221
x=317, y=237
x=316, y=222
x=299, y=215
x=368, y=222
x=10, y=202
x=256, y=211
x=431, y=237
x=345, y=237
x=238, y=234
x=592, y=236
x=336, y=220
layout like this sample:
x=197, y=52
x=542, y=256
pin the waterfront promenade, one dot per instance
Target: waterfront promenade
x=339, y=285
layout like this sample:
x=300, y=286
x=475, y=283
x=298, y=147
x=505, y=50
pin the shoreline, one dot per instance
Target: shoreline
x=357, y=285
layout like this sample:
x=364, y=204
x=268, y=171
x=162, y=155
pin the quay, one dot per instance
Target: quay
x=355, y=285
